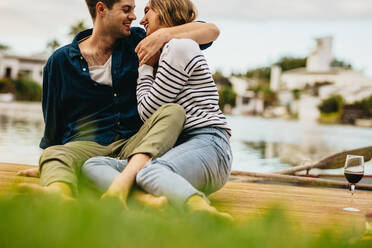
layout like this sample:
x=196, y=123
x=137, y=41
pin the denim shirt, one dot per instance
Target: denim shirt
x=76, y=108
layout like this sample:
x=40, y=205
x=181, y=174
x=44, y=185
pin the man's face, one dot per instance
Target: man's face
x=118, y=19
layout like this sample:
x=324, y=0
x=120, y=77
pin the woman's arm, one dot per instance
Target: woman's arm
x=201, y=33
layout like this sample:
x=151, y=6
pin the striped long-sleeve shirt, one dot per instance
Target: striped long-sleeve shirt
x=183, y=77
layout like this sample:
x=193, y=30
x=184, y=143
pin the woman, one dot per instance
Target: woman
x=200, y=163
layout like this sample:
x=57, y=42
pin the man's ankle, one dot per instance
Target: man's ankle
x=62, y=188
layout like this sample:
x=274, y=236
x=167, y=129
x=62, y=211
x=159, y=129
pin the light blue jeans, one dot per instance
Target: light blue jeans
x=200, y=163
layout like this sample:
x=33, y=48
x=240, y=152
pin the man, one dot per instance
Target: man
x=89, y=100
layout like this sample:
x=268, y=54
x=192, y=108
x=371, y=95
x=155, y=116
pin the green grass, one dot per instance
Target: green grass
x=32, y=222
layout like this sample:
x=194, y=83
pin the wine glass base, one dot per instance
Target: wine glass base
x=351, y=209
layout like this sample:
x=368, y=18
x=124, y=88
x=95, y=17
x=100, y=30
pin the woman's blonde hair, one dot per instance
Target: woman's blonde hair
x=174, y=12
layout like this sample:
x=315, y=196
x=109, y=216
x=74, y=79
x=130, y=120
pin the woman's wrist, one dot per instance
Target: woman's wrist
x=145, y=69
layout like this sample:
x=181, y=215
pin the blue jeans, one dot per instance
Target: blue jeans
x=200, y=163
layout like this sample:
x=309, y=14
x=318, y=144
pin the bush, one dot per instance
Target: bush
x=27, y=90
x=269, y=96
x=333, y=104
x=227, y=96
x=358, y=110
x=6, y=86
x=365, y=104
x=296, y=94
x=263, y=90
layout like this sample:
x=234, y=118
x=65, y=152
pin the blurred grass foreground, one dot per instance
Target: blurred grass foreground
x=27, y=221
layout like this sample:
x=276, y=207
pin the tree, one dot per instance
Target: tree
x=4, y=47
x=227, y=96
x=76, y=28
x=52, y=45
x=264, y=92
x=220, y=79
x=290, y=63
x=262, y=73
x=342, y=64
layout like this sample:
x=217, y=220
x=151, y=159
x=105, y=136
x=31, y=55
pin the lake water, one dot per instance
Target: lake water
x=259, y=145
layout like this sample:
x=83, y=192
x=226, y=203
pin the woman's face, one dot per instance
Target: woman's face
x=151, y=20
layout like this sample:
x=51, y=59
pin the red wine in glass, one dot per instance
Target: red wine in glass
x=353, y=177
x=353, y=171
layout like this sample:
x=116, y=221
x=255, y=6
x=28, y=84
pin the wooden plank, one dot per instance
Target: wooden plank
x=309, y=207
x=8, y=178
x=300, y=180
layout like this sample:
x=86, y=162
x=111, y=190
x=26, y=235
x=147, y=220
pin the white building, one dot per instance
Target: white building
x=13, y=66
x=321, y=58
x=351, y=84
x=246, y=100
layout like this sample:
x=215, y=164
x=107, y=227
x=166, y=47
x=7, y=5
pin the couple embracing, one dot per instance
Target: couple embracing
x=126, y=107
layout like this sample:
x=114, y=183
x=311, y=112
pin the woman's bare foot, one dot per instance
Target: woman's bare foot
x=196, y=203
x=149, y=200
x=55, y=189
x=33, y=172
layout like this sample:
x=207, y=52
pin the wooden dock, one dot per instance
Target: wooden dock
x=309, y=207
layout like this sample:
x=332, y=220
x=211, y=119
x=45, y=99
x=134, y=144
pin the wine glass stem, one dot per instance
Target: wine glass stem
x=352, y=194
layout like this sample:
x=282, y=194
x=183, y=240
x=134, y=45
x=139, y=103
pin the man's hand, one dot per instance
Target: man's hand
x=151, y=45
x=152, y=61
x=33, y=172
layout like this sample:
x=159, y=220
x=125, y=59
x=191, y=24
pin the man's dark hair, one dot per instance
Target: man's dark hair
x=92, y=5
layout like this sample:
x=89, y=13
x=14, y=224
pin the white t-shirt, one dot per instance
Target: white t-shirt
x=102, y=73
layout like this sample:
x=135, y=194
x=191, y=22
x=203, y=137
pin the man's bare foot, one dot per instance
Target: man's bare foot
x=149, y=200
x=196, y=203
x=55, y=189
x=33, y=172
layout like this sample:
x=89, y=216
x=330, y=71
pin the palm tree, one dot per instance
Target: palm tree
x=75, y=29
x=52, y=45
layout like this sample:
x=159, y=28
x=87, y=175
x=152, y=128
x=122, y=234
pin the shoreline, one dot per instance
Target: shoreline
x=27, y=108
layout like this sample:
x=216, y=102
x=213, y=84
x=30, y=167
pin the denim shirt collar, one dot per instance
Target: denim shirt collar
x=74, y=50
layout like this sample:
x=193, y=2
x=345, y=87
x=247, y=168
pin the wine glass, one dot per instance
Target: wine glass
x=353, y=171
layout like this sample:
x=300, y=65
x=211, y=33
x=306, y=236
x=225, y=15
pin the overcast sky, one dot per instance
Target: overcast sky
x=252, y=32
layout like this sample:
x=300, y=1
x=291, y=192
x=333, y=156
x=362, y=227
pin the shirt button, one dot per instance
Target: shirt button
x=84, y=69
x=81, y=57
x=115, y=94
x=118, y=123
